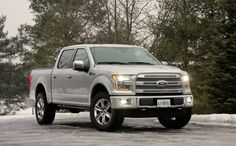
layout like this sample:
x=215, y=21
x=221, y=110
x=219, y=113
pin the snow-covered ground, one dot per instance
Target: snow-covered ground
x=9, y=107
x=215, y=119
x=211, y=119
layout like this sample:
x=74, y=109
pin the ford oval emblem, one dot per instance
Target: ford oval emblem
x=162, y=83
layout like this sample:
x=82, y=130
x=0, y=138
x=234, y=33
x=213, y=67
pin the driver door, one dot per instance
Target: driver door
x=78, y=85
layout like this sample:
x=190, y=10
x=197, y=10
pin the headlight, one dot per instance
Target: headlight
x=122, y=82
x=186, y=84
x=185, y=78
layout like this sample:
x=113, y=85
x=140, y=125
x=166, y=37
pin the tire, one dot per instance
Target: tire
x=176, y=121
x=103, y=117
x=44, y=112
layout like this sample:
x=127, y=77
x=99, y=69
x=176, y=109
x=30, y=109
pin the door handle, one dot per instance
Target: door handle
x=54, y=77
x=69, y=76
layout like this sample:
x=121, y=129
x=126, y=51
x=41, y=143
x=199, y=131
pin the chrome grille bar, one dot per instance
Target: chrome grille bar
x=148, y=83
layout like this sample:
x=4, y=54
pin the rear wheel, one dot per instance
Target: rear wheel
x=176, y=121
x=103, y=117
x=44, y=112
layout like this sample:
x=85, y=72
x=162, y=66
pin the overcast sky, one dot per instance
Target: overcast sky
x=17, y=12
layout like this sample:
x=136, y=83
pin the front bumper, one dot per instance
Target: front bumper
x=132, y=102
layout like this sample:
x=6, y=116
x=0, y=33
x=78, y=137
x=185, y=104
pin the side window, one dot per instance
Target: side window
x=82, y=55
x=64, y=61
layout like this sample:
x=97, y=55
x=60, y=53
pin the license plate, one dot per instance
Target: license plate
x=163, y=103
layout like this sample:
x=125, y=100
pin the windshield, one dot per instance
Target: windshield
x=122, y=55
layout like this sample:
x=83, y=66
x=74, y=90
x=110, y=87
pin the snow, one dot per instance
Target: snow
x=210, y=119
x=24, y=112
x=28, y=113
x=21, y=114
x=10, y=108
x=215, y=119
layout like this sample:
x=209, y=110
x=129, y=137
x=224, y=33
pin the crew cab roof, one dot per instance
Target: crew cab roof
x=99, y=45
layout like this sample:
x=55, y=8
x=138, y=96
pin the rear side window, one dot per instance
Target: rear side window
x=65, y=58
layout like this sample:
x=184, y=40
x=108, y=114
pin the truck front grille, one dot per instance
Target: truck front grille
x=150, y=83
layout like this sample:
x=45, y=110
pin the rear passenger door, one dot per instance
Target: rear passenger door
x=60, y=77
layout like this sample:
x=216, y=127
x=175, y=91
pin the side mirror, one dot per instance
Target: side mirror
x=164, y=63
x=79, y=65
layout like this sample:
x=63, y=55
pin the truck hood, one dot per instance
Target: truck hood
x=136, y=69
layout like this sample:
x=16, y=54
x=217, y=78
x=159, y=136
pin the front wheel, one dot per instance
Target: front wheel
x=103, y=117
x=176, y=121
x=44, y=112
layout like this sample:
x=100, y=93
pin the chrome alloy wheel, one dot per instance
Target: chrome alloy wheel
x=40, y=108
x=102, y=111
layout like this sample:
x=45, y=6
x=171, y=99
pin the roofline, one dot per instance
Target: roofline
x=100, y=45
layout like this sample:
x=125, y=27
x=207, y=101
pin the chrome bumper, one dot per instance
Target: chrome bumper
x=131, y=102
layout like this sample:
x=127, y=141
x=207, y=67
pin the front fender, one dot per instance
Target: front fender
x=103, y=80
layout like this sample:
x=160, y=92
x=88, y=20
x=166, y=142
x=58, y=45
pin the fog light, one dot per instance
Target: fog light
x=125, y=102
x=189, y=100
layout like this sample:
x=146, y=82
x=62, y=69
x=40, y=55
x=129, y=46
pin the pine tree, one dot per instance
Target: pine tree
x=13, y=77
x=223, y=66
x=199, y=35
x=4, y=41
x=69, y=22
x=58, y=24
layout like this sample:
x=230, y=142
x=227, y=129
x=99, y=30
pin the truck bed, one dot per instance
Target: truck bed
x=42, y=76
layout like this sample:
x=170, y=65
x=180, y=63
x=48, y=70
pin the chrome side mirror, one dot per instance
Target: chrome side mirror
x=78, y=65
x=164, y=63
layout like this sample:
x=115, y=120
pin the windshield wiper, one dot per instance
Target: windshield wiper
x=140, y=63
x=111, y=63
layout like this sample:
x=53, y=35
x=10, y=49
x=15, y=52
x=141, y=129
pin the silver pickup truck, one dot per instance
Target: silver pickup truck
x=112, y=82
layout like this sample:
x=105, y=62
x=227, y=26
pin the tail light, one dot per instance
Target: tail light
x=30, y=80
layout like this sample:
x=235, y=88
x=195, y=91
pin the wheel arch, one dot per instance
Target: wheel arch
x=40, y=88
x=100, y=83
x=97, y=88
